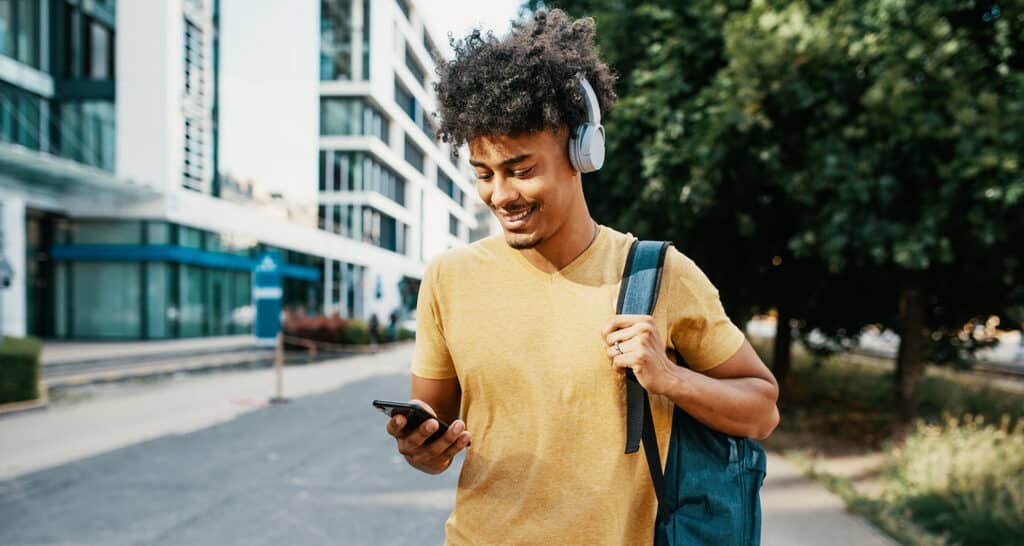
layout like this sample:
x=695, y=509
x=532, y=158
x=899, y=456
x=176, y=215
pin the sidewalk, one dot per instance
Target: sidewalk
x=59, y=352
x=189, y=456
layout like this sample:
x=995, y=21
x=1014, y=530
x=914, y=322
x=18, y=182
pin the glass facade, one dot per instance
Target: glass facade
x=160, y=298
x=352, y=116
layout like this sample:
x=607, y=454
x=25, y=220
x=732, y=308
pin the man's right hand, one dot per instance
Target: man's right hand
x=435, y=457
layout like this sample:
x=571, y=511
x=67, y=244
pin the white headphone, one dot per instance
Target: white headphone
x=586, y=144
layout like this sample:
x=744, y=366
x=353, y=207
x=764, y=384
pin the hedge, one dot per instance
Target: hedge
x=19, y=369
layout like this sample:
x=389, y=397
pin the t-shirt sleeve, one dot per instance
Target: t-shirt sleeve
x=431, y=359
x=699, y=328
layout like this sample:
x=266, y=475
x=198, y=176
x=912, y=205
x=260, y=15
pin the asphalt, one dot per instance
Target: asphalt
x=204, y=460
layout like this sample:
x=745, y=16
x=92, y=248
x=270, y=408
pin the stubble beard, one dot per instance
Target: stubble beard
x=522, y=241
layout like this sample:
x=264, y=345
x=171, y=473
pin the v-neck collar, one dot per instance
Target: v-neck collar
x=570, y=267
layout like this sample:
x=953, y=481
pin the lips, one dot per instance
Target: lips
x=517, y=220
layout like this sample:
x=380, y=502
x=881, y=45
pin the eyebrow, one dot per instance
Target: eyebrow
x=509, y=161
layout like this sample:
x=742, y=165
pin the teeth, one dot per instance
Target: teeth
x=520, y=216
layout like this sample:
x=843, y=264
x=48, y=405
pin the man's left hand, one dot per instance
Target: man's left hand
x=634, y=343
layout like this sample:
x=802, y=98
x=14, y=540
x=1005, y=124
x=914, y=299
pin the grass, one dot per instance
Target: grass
x=956, y=477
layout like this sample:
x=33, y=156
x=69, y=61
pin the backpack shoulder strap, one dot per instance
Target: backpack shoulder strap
x=638, y=294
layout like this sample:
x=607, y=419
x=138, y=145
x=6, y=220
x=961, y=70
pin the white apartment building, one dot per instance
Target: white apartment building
x=383, y=178
x=110, y=211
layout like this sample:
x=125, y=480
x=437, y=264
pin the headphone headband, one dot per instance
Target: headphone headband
x=586, y=144
x=590, y=100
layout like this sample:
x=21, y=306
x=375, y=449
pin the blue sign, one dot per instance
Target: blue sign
x=266, y=298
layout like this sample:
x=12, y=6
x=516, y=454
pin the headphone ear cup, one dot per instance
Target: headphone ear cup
x=576, y=147
x=588, y=148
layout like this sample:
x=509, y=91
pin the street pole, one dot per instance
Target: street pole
x=279, y=370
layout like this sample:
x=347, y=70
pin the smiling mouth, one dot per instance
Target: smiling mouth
x=519, y=218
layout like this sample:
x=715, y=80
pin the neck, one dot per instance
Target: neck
x=558, y=251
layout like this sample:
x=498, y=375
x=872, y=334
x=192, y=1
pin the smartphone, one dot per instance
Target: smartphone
x=414, y=415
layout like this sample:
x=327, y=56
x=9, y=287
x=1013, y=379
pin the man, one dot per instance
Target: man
x=517, y=344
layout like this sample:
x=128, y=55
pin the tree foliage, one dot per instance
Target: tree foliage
x=851, y=162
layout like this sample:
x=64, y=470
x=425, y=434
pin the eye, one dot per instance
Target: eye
x=484, y=176
x=521, y=173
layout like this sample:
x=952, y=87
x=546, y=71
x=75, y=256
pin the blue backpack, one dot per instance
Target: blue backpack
x=709, y=492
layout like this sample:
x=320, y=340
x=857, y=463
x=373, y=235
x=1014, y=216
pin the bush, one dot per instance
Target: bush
x=963, y=479
x=19, y=369
x=327, y=329
x=357, y=333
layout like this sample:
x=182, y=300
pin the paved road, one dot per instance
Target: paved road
x=217, y=466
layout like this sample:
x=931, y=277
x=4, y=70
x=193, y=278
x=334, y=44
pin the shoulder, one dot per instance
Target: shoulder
x=686, y=275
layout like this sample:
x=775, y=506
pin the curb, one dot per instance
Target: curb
x=14, y=408
x=144, y=372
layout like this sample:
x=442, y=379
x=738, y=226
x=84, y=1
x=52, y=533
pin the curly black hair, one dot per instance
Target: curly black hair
x=523, y=82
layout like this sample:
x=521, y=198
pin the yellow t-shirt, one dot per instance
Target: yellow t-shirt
x=546, y=409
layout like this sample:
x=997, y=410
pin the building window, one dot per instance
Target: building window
x=453, y=225
x=414, y=155
x=351, y=116
x=431, y=48
x=86, y=132
x=381, y=230
x=405, y=101
x=20, y=30
x=336, y=40
x=21, y=117
x=100, y=57
x=194, y=161
x=322, y=170
x=404, y=6
x=414, y=66
x=359, y=171
x=194, y=62
x=7, y=27
x=449, y=188
x=366, y=40
x=408, y=104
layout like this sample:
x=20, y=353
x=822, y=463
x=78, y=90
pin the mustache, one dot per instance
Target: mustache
x=513, y=209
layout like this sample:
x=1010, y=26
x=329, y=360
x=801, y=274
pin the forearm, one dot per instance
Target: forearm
x=742, y=407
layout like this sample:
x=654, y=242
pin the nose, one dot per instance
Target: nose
x=503, y=192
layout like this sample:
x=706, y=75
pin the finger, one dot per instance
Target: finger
x=625, y=334
x=418, y=437
x=623, y=348
x=624, y=321
x=461, y=442
x=396, y=426
x=437, y=447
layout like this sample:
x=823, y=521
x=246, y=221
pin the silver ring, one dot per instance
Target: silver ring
x=618, y=350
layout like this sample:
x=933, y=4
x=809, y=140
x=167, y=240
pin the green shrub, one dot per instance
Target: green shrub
x=356, y=333
x=19, y=369
x=963, y=479
x=404, y=334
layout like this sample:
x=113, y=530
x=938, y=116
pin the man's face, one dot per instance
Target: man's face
x=527, y=181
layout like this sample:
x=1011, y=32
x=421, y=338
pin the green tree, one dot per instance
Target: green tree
x=846, y=162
